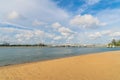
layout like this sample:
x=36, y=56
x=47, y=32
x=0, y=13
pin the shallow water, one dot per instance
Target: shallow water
x=12, y=55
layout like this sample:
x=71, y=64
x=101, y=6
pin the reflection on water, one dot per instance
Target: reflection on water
x=21, y=55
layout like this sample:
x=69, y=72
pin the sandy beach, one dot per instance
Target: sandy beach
x=100, y=66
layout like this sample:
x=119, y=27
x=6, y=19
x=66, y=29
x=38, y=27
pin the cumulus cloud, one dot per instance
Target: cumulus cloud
x=8, y=30
x=57, y=37
x=21, y=34
x=110, y=33
x=65, y=31
x=38, y=23
x=42, y=11
x=24, y=36
x=99, y=34
x=62, y=30
x=56, y=25
x=106, y=33
x=86, y=21
x=4, y=38
x=115, y=34
x=95, y=35
x=71, y=37
x=15, y=15
x=35, y=36
x=14, y=35
x=39, y=32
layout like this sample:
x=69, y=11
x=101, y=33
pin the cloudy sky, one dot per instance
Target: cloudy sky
x=59, y=21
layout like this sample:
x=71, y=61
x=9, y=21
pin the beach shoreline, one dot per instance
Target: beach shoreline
x=96, y=66
x=56, y=58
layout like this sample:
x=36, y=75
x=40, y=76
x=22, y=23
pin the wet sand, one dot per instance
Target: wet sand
x=100, y=66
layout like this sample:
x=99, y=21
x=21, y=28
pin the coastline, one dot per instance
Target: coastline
x=96, y=66
x=55, y=58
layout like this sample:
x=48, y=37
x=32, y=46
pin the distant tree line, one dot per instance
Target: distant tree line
x=26, y=45
x=114, y=43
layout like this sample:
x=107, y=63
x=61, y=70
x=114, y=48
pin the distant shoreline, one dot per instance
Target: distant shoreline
x=62, y=46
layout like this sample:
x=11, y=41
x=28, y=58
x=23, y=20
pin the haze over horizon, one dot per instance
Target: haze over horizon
x=59, y=21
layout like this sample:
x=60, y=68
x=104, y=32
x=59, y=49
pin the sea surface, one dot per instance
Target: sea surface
x=18, y=55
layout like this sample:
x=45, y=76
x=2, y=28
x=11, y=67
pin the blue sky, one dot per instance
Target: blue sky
x=59, y=21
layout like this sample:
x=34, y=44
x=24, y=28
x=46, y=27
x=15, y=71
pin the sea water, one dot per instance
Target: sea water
x=18, y=55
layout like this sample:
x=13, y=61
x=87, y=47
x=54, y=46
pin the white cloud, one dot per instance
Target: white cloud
x=13, y=34
x=8, y=30
x=92, y=2
x=65, y=31
x=36, y=13
x=39, y=32
x=56, y=25
x=12, y=25
x=71, y=37
x=88, y=3
x=57, y=37
x=86, y=21
x=38, y=23
x=110, y=33
x=34, y=35
x=21, y=35
x=115, y=34
x=4, y=38
x=95, y=35
x=111, y=17
x=43, y=11
x=13, y=15
x=24, y=36
x=106, y=32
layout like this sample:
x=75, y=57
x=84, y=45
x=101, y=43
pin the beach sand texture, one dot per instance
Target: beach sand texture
x=101, y=66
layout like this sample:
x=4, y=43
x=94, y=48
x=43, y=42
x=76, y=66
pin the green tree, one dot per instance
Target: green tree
x=114, y=42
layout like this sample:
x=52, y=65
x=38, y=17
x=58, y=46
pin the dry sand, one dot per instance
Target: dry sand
x=101, y=66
